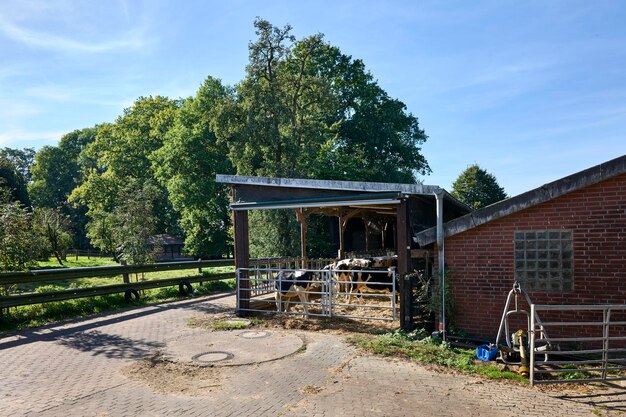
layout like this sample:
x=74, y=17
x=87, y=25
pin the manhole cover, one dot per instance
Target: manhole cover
x=254, y=335
x=209, y=357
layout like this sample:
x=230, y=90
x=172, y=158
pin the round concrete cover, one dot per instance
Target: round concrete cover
x=228, y=348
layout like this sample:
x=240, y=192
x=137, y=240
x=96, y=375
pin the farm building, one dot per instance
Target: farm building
x=389, y=216
x=167, y=247
x=564, y=242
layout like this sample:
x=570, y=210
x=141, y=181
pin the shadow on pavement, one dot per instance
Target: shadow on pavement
x=58, y=331
x=111, y=346
x=612, y=400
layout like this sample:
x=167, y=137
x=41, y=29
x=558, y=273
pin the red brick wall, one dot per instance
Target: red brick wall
x=482, y=258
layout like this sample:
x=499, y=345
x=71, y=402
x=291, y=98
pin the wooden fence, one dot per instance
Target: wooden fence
x=130, y=289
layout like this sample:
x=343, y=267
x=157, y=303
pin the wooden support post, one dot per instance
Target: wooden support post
x=367, y=233
x=302, y=219
x=404, y=264
x=342, y=240
x=242, y=258
x=125, y=276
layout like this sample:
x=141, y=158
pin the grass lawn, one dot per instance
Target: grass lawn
x=432, y=352
x=38, y=314
x=73, y=262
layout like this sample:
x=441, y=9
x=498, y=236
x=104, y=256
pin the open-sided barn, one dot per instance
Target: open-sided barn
x=391, y=214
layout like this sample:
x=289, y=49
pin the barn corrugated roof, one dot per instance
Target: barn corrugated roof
x=348, y=186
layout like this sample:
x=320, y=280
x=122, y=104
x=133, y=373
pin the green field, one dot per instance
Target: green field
x=38, y=314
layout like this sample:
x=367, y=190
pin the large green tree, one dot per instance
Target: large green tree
x=186, y=165
x=54, y=229
x=121, y=153
x=133, y=222
x=22, y=160
x=477, y=188
x=57, y=171
x=19, y=245
x=12, y=183
x=306, y=110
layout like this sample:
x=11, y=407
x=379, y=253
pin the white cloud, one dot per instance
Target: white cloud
x=131, y=40
x=21, y=138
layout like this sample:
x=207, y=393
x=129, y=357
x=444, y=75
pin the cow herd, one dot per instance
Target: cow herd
x=345, y=280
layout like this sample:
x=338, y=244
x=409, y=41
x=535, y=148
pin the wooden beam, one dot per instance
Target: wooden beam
x=302, y=215
x=344, y=217
x=367, y=232
x=242, y=258
x=342, y=240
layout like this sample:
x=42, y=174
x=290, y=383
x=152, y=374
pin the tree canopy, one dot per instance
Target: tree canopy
x=21, y=159
x=304, y=109
x=186, y=165
x=477, y=188
x=13, y=182
x=307, y=110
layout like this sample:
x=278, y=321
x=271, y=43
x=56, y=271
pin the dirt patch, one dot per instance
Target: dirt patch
x=335, y=325
x=219, y=321
x=310, y=389
x=174, y=378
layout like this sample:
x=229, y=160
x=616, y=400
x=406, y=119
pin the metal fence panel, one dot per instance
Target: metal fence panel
x=570, y=362
x=365, y=294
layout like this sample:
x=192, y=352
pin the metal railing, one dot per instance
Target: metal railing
x=262, y=268
x=596, y=356
x=324, y=293
x=52, y=275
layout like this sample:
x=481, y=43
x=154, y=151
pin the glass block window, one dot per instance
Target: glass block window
x=544, y=260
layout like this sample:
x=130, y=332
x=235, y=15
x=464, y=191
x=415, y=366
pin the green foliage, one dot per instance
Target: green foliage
x=306, y=110
x=437, y=293
x=477, y=188
x=21, y=159
x=219, y=325
x=76, y=262
x=274, y=233
x=19, y=245
x=122, y=153
x=53, y=228
x=39, y=314
x=56, y=172
x=133, y=222
x=100, y=231
x=430, y=351
x=186, y=165
x=57, y=169
x=12, y=183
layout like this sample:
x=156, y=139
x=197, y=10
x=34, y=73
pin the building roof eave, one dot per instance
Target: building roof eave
x=528, y=199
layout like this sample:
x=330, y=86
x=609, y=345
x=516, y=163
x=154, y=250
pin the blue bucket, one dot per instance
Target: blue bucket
x=486, y=352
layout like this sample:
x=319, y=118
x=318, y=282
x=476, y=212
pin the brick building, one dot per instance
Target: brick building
x=565, y=242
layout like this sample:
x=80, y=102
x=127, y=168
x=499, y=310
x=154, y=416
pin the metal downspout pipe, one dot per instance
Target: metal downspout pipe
x=441, y=260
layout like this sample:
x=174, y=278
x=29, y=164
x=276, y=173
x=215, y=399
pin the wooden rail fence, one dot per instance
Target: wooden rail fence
x=130, y=289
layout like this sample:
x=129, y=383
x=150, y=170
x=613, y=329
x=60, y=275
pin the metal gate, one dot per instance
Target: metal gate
x=586, y=350
x=363, y=294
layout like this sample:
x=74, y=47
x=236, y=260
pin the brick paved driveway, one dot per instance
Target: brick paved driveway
x=81, y=369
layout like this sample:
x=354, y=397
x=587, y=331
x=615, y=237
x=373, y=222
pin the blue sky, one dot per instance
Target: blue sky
x=530, y=90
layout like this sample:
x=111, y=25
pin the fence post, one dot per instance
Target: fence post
x=125, y=276
x=532, y=344
x=200, y=272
